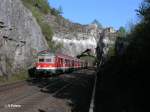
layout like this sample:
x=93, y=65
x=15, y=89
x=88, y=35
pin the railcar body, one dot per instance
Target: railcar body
x=50, y=63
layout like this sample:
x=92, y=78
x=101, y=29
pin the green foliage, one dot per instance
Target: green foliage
x=54, y=12
x=2, y=79
x=47, y=31
x=140, y=36
x=144, y=11
x=139, y=41
x=111, y=51
x=42, y=5
x=122, y=32
x=57, y=12
x=60, y=10
x=39, y=8
x=23, y=75
x=130, y=27
x=126, y=74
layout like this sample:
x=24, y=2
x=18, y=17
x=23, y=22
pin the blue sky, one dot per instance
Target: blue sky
x=113, y=13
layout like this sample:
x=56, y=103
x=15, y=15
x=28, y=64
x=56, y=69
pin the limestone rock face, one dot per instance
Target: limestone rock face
x=106, y=41
x=20, y=37
x=74, y=37
x=77, y=42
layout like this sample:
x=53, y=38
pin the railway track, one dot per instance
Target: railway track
x=29, y=99
x=46, y=94
x=6, y=87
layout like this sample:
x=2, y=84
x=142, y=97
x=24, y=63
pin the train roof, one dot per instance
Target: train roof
x=58, y=54
x=68, y=57
x=45, y=53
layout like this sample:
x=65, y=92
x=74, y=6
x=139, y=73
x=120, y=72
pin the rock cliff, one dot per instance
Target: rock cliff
x=20, y=36
x=74, y=37
x=74, y=43
x=106, y=43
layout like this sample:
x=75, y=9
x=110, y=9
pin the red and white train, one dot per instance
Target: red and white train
x=50, y=63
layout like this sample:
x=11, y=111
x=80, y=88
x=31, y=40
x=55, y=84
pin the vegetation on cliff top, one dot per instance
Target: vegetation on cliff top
x=39, y=9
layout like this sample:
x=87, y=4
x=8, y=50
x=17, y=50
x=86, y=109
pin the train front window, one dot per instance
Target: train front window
x=41, y=59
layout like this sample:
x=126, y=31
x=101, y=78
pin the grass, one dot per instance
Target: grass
x=111, y=51
x=23, y=75
x=42, y=5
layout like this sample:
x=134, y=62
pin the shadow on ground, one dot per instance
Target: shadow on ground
x=120, y=87
x=75, y=87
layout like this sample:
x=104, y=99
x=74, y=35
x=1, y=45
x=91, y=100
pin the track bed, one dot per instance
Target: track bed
x=66, y=93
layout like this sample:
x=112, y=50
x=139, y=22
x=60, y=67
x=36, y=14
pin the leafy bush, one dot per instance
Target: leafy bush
x=54, y=12
x=111, y=51
x=47, y=31
x=122, y=32
x=42, y=5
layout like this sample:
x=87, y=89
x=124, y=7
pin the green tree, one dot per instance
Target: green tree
x=144, y=11
x=122, y=32
x=57, y=12
x=130, y=69
x=60, y=10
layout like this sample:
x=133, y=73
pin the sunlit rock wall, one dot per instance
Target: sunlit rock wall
x=106, y=41
x=74, y=43
x=20, y=37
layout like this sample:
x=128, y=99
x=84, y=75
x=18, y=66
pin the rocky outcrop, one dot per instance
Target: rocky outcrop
x=74, y=37
x=20, y=37
x=106, y=41
x=74, y=43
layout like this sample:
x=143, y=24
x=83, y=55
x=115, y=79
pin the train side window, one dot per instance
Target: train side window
x=72, y=63
x=66, y=62
x=61, y=61
x=69, y=62
x=58, y=60
x=48, y=60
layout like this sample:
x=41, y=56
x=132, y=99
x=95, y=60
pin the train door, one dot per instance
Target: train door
x=59, y=64
x=66, y=63
x=72, y=63
x=62, y=64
